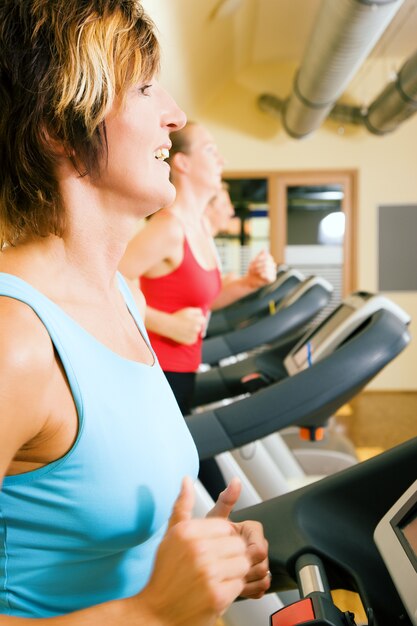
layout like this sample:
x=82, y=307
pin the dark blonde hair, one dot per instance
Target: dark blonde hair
x=63, y=64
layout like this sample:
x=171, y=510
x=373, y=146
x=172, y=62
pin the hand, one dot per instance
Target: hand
x=262, y=270
x=200, y=568
x=187, y=325
x=257, y=580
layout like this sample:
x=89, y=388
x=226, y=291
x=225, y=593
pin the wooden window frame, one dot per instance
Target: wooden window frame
x=278, y=182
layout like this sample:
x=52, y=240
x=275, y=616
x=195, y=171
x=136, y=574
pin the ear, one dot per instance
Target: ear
x=55, y=145
x=180, y=163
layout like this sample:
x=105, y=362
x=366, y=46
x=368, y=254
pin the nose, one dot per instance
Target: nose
x=220, y=159
x=173, y=116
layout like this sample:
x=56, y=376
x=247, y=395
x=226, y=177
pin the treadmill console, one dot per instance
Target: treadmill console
x=342, y=323
x=304, y=286
x=396, y=539
x=282, y=277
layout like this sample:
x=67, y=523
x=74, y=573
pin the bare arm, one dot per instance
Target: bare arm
x=154, y=248
x=261, y=271
x=183, y=326
x=201, y=565
x=233, y=288
x=26, y=365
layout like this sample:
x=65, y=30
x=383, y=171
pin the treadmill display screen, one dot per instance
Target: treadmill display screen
x=408, y=528
x=304, y=354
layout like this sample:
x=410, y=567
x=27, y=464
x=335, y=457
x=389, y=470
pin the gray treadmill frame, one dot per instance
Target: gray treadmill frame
x=396, y=553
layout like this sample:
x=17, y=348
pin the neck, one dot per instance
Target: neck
x=191, y=203
x=86, y=258
x=98, y=230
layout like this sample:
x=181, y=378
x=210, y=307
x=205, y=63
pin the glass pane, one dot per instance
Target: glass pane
x=314, y=215
x=248, y=232
x=315, y=233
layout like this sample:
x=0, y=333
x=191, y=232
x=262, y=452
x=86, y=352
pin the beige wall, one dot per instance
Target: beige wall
x=216, y=70
x=387, y=168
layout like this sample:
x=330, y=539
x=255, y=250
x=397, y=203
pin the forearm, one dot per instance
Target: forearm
x=261, y=271
x=183, y=326
x=126, y=612
x=158, y=322
x=229, y=278
x=232, y=290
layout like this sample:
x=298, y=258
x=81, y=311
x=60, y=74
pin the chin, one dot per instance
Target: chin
x=162, y=200
x=170, y=196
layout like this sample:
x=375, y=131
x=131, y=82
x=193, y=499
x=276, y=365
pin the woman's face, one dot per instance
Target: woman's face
x=220, y=211
x=205, y=163
x=135, y=174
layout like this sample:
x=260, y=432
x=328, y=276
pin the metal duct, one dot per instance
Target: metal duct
x=396, y=103
x=348, y=114
x=344, y=33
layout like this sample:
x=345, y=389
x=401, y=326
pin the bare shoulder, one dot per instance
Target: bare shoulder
x=159, y=241
x=167, y=224
x=27, y=363
x=23, y=335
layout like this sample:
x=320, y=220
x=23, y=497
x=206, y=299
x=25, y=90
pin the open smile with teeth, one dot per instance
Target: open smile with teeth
x=161, y=154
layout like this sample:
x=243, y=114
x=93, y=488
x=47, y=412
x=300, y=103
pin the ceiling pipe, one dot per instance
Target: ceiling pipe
x=348, y=114
x=393, y=106
x=345, y=32
x=396, y=103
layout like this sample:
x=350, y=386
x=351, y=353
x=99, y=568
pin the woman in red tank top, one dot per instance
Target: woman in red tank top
x=175, y=258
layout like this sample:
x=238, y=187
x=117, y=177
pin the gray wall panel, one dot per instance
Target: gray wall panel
x=397, y=257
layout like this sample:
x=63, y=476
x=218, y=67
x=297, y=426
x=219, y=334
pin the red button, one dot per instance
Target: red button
x=293, y=614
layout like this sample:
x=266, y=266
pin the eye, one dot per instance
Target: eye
x=143, y=89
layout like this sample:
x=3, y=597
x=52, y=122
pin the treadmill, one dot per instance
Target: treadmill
x=260, y=302
x=287, y=358
x=326, y=379
x=334, y=451
x=307, y=399
x=293, y=313
x=356, y=530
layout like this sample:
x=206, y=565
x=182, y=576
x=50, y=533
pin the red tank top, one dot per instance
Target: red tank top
x=189, y=285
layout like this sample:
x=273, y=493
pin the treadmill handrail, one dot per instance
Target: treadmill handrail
x=307, y=398
x=267, y=329
x=267, y=290
x=224, y=320
x=335, y=519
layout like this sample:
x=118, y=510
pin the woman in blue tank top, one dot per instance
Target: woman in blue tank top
x=95, y=459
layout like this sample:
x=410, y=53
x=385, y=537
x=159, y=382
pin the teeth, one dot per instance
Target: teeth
x=161, y=153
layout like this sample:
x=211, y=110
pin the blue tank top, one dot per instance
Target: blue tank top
x=85, y=529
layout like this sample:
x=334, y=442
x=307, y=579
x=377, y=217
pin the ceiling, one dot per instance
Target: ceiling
x=283, y=26
x=257, y=45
